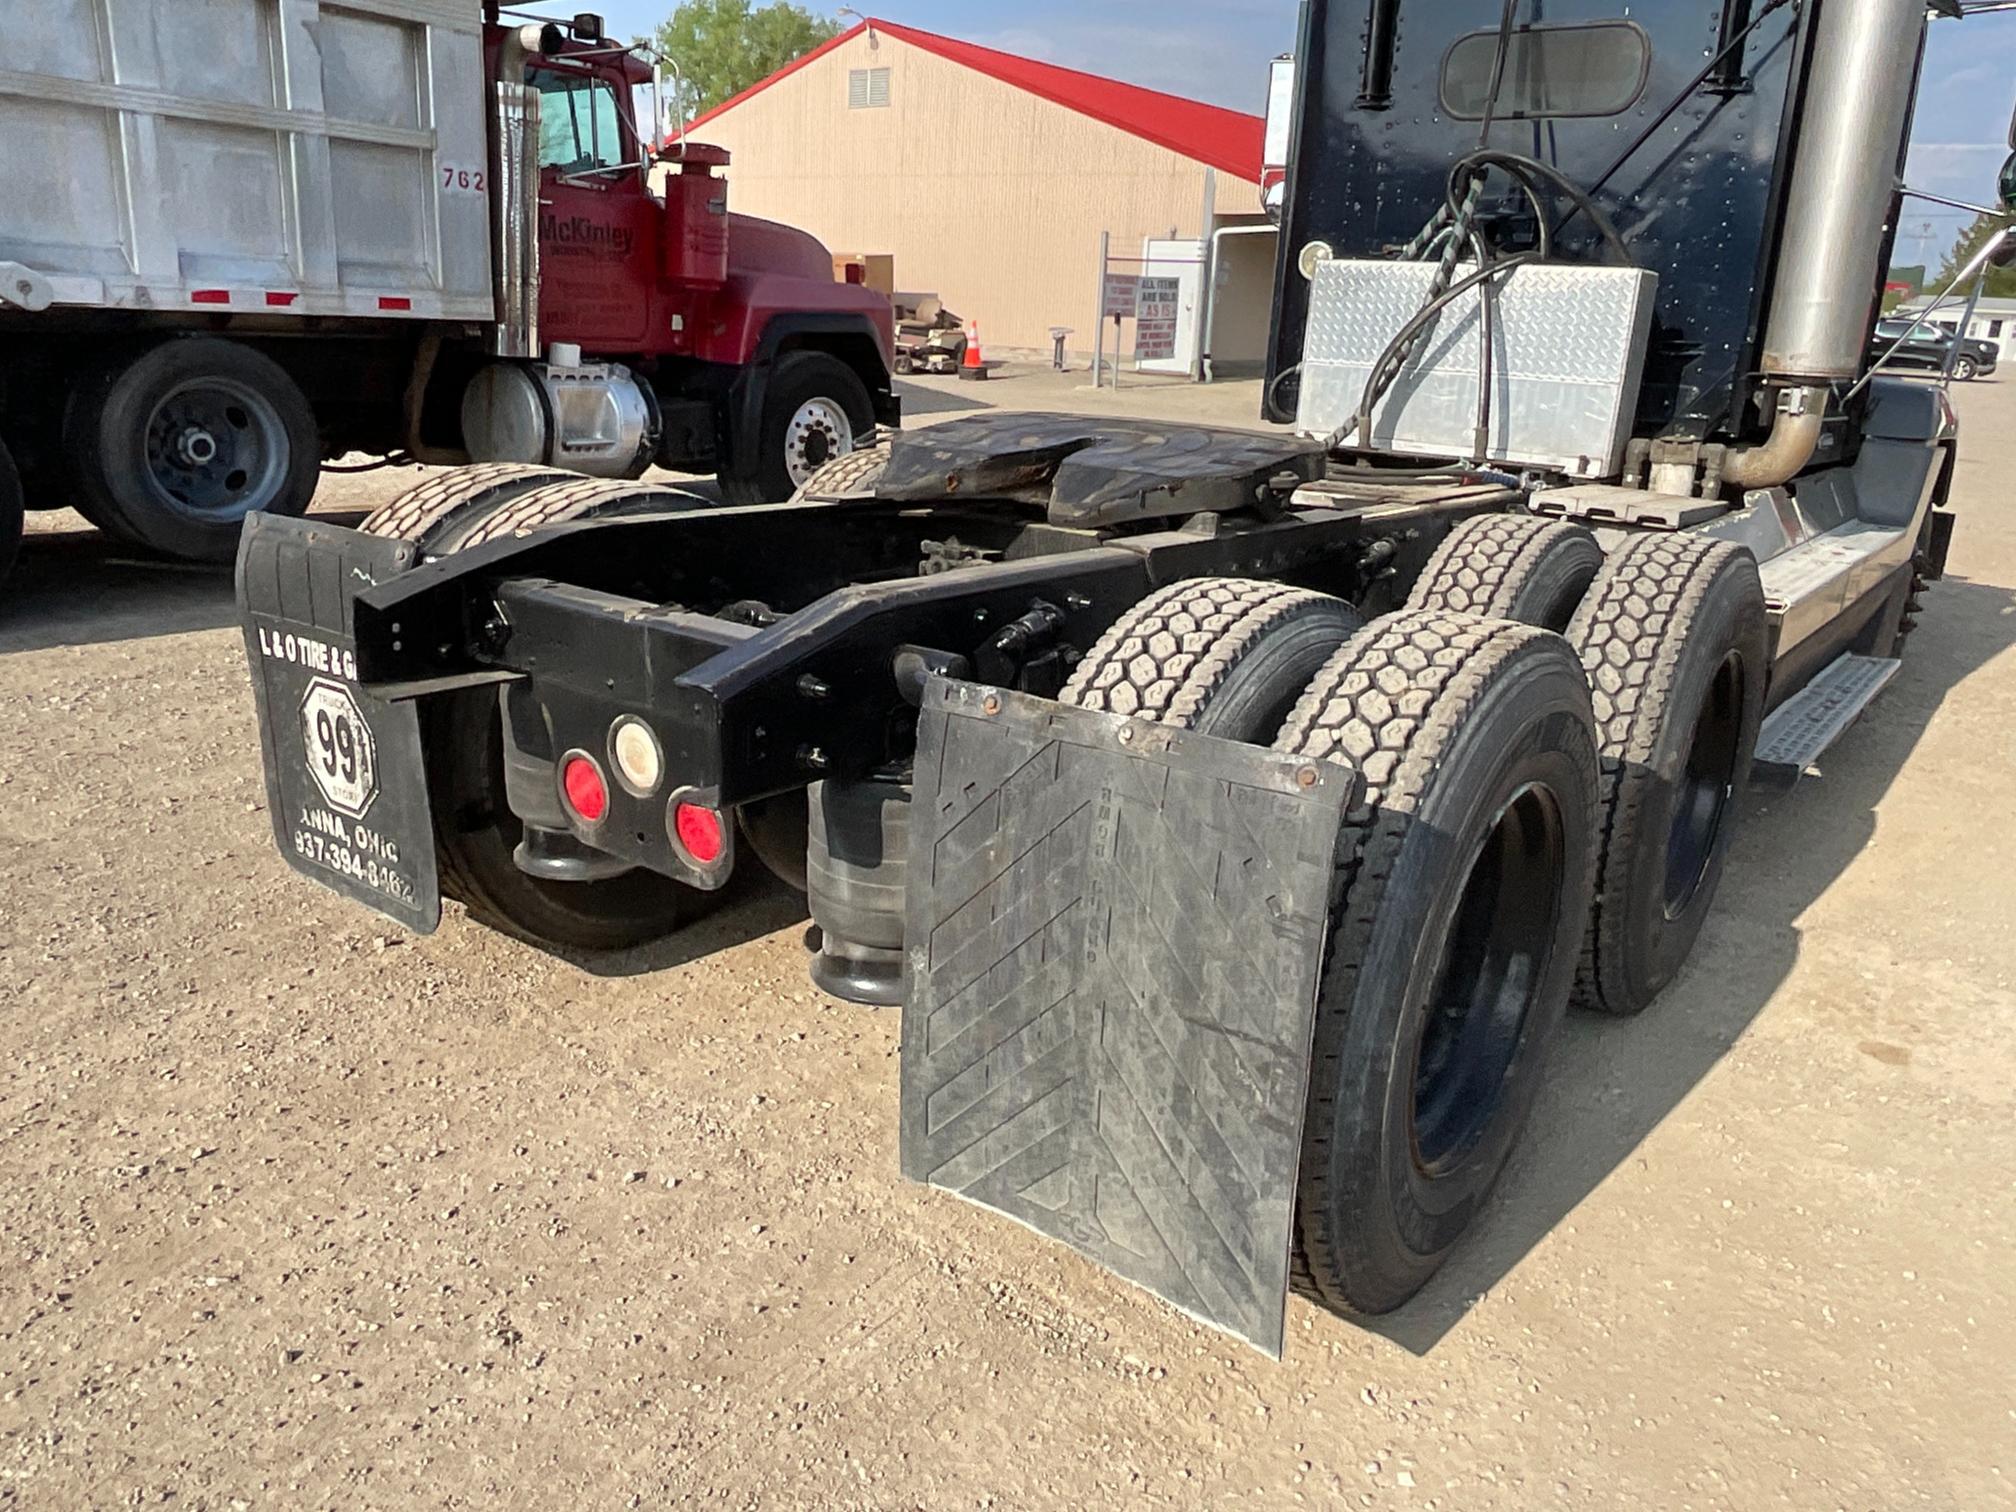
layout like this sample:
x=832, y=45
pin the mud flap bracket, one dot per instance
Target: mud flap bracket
x=1115, y=934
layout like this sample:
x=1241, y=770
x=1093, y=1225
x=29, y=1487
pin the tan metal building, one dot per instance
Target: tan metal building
x=990, y=177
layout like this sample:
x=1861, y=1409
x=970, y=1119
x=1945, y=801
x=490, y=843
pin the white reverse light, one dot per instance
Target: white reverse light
x=639, y=760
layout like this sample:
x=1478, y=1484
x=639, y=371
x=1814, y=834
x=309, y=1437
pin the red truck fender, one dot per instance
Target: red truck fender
x=781, y=298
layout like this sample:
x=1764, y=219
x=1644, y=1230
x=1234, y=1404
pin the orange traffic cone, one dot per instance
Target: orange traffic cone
x=972, y=366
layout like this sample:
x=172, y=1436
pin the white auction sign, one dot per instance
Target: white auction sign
x=1155, y=313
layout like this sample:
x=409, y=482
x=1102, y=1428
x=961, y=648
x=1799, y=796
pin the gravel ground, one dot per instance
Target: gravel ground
x=304, y=1212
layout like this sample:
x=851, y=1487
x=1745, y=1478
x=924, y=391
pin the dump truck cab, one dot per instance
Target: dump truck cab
x=448, y=238
x=618, y=242
x=1233, y=815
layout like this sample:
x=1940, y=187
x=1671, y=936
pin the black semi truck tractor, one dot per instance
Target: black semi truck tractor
x=1233, y=815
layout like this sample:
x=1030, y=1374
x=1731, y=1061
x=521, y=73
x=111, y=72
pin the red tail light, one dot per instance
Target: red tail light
x=700, y=832
x=587, y=794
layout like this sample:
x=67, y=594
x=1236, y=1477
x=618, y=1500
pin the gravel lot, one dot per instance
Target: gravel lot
x=304, y=1212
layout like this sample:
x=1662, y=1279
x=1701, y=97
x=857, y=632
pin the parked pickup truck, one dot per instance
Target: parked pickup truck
x=1926, y=346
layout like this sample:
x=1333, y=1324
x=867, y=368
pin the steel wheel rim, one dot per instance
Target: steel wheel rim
x=1707, y=784
x=1493, y=966
x=215, y=449
x=818, y=433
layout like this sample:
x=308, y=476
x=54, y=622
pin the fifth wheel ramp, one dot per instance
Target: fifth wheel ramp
x=1115, y=935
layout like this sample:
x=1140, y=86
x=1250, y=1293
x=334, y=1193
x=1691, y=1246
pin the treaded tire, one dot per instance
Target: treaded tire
x=11, y=513
x=422, y=511
x=1668, y=624
x=1476, y=741
x=563, y=503
x=799, y=378
x=1222, y=656
x=853, y=476
x=106, y=436
x=475, y=832
x=1510, y=566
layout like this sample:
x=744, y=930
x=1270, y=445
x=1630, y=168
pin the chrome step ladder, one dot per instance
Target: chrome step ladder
x=1805, y=725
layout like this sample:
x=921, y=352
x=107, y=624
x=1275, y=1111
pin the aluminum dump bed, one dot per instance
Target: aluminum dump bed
x=290, y=157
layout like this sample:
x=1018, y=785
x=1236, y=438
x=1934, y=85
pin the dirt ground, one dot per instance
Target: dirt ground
x=303, y=1212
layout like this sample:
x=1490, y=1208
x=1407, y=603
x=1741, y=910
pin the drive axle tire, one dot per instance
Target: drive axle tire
x=476, y=834
x=423, y=511
x=1674, y=639
x=11, y=510
x=1510, y=566
x=173, y=448
x=816, y=409
x=1222, y=656
x=1463, y=884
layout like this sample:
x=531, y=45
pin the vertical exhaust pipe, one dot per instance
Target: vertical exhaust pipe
x=514, y=194
x=1856, y=109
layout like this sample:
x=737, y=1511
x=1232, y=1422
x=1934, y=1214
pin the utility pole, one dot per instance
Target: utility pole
x=1966, y=323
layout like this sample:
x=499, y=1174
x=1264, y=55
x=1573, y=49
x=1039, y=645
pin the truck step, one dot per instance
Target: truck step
x=1806, y=724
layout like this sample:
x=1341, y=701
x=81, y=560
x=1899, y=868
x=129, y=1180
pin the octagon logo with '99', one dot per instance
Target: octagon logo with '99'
x=342, y=754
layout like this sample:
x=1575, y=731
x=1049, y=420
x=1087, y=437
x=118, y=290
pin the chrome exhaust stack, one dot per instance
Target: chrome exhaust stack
x=1858, y=109
x=514, y=192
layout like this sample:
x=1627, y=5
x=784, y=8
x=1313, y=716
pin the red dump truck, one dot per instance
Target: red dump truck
x=257, y=236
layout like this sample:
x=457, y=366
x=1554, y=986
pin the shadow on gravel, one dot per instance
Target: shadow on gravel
x=1610, y=1082
x=920, y=400
x=752, y=905
x=80, y=588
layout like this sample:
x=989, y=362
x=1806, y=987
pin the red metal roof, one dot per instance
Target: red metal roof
x=1228, y=140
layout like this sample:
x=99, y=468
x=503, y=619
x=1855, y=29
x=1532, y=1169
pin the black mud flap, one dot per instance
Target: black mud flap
x=1115, y=932
x=345, y=778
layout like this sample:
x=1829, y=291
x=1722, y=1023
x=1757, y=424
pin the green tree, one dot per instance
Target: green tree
x=724, y=46
x=2001, y=282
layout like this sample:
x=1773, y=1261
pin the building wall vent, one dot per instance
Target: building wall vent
x=867, y=89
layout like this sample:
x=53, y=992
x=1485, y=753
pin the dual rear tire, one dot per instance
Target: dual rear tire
x=1672, y=635
x=1545, y=820
x=1674, y=640
x=1463, y=882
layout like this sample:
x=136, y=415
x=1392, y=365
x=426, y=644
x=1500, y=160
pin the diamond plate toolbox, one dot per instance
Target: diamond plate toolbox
x=1568, y=353
x=1114, y=932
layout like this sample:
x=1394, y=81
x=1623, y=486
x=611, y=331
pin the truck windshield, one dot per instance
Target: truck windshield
x=580, y=129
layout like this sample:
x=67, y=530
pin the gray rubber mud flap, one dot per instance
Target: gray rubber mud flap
x=1115, y=932
x=346, y=781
